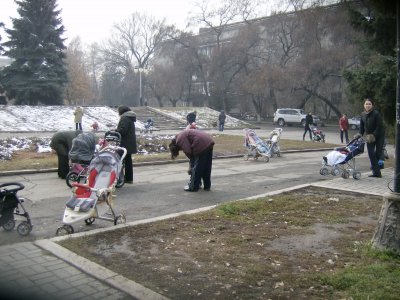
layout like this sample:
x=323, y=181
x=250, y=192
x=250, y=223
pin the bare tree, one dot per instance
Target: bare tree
x=95, y=65
x=225, y=61
x=78, y=89
x=133, y=44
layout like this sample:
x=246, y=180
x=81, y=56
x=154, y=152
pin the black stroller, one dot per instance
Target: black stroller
x=10, y=205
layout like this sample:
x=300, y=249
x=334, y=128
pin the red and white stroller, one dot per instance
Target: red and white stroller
x=94, y=199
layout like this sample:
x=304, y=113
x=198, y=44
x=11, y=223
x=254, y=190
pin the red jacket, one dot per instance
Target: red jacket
x=344, y=123
x=194, y=142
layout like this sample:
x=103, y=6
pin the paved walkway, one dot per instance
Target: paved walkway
x=44, y=270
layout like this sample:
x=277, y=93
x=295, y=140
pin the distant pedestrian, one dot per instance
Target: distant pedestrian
x=344, y=127
x=191, y=117
x=126, y=127
x=309, y=121
x=95, y=126
x=198, y=147
x=61, y=143
x=221, y=120
x=78, y=113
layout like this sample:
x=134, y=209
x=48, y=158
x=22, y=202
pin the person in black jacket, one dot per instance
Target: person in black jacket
x=371, y=125
x=191, y=117
x=126, y=127
x=309, y=121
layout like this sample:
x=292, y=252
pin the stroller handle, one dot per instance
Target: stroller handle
x=19, y=187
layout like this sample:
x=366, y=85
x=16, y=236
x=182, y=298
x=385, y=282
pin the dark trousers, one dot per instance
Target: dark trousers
x=128, y=167
x=63, y=166
x=201, y=169
x=346, y=135
x=307, y=128
x=375, y=153
x=78, y=126
x=221, y=126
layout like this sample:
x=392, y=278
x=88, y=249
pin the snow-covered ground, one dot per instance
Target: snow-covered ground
x=54, y=118
x=206, y=117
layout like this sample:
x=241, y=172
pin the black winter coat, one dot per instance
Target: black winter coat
x=126, y=127
x=371, y=123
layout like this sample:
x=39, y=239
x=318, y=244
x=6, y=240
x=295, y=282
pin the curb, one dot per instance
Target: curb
x=151, y=163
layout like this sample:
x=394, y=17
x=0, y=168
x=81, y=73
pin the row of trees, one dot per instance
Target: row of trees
x=237, y=61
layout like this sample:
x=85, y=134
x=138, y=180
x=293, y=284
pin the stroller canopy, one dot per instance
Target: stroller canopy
x=83, y=147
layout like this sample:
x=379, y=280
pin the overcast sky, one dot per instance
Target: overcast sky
x=92, y=20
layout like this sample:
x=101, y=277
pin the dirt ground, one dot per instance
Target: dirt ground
x=271, y=248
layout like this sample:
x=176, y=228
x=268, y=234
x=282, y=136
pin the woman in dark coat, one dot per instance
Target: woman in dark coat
x=126, y=127
x=371, y=125
x=198, y=147
x=61, y=143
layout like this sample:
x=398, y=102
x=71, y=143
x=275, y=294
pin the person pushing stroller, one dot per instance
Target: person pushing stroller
x=198, y=147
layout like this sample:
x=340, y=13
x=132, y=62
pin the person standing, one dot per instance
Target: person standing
x=126, y=127
x=198, y=147
x=344, y=127
x=191, y=117
x=309, y=121
x=371, y=124
x=221, y=120
x=78, y=113
x=61, y=143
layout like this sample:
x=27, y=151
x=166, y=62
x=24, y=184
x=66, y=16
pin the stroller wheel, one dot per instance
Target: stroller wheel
x=357, y=175
x=71, y=178
x=324, y=171
x=64, y=230
x=120, y=220
x=345, y=175
x=24, y=228
x=89, y=221
x=266, y=158
x=9, y=225
x=335, y=171
x=278, y=154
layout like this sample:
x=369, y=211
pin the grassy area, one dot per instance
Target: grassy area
x=224, y=145
x=286, y=246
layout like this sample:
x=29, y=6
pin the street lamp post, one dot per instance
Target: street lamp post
x=140, y=86
x=140, y=71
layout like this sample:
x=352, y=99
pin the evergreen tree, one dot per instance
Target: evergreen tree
x=38, y=73
x=376, y=74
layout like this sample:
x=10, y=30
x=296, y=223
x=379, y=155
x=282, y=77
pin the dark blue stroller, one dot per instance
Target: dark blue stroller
x=342, y=160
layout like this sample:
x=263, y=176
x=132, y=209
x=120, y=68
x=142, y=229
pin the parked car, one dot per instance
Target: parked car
x=354, y=122
x=291, y=116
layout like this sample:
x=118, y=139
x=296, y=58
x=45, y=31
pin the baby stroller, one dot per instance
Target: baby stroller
x=317, y=134
x=10, y=205
x=342, y=160
x=94, y=200
x=273, y=141
x=255, y=146
x=81, y=153
x=148, y=127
